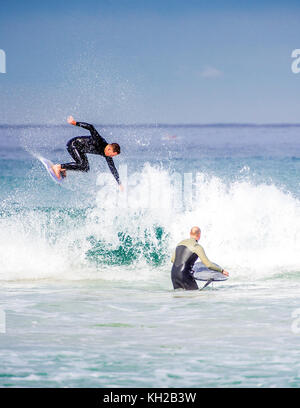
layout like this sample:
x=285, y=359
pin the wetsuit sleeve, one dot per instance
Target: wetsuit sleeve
x=113, y=169
x=173, y=257
x=95, y=135
x=202, y=255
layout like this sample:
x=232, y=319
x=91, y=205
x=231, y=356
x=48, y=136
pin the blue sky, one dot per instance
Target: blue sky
x=167, y=61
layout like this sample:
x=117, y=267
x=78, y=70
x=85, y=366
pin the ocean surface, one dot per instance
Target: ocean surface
x=86, y=298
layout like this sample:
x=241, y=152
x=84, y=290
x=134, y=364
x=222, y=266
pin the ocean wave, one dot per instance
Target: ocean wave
x=250, y=229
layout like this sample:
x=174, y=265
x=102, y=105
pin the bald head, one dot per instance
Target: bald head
x=195, y=233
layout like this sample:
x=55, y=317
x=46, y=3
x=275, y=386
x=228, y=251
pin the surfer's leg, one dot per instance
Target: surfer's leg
x=188, y=282
x=182, y=279
x=75, y=149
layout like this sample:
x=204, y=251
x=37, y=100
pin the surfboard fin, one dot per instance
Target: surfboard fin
x=207, y=283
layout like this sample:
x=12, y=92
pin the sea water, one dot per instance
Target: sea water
x=86, y=297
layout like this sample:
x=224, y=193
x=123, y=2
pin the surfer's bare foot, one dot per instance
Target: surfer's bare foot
x=57, y=169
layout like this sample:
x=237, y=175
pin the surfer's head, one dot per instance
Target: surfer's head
x=112, y=149
x=195, y=233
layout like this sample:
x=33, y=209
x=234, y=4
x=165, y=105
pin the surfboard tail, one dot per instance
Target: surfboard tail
x=48, y=166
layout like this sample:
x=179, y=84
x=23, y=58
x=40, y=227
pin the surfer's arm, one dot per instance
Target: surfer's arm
x=173, y=257
x=202, y=255
x=95, y=135
x=84, y=125
x=113, y=169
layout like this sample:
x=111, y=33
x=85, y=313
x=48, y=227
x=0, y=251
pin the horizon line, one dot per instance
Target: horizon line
x=160, y=125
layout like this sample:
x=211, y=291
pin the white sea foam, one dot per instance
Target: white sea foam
x=248, y=229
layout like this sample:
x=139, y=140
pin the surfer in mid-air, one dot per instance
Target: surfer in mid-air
x=184, y=258
x=78, y=147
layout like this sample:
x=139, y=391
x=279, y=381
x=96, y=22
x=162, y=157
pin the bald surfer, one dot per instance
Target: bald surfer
x=183, y=259
x=78, y=147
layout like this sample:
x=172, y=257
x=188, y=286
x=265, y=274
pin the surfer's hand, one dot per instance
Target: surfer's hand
x=121, y=187
x=71, y=120
x=225, y=273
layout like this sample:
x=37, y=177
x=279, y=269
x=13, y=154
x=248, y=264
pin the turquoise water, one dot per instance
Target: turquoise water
x=85, y=272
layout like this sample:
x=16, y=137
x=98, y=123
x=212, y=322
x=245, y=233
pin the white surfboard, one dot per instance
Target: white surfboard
x=48, y=166
x=200, y=272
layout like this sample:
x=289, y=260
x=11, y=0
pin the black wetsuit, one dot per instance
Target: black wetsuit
x=78, y=147
x=186, y=254
x=181, y=270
